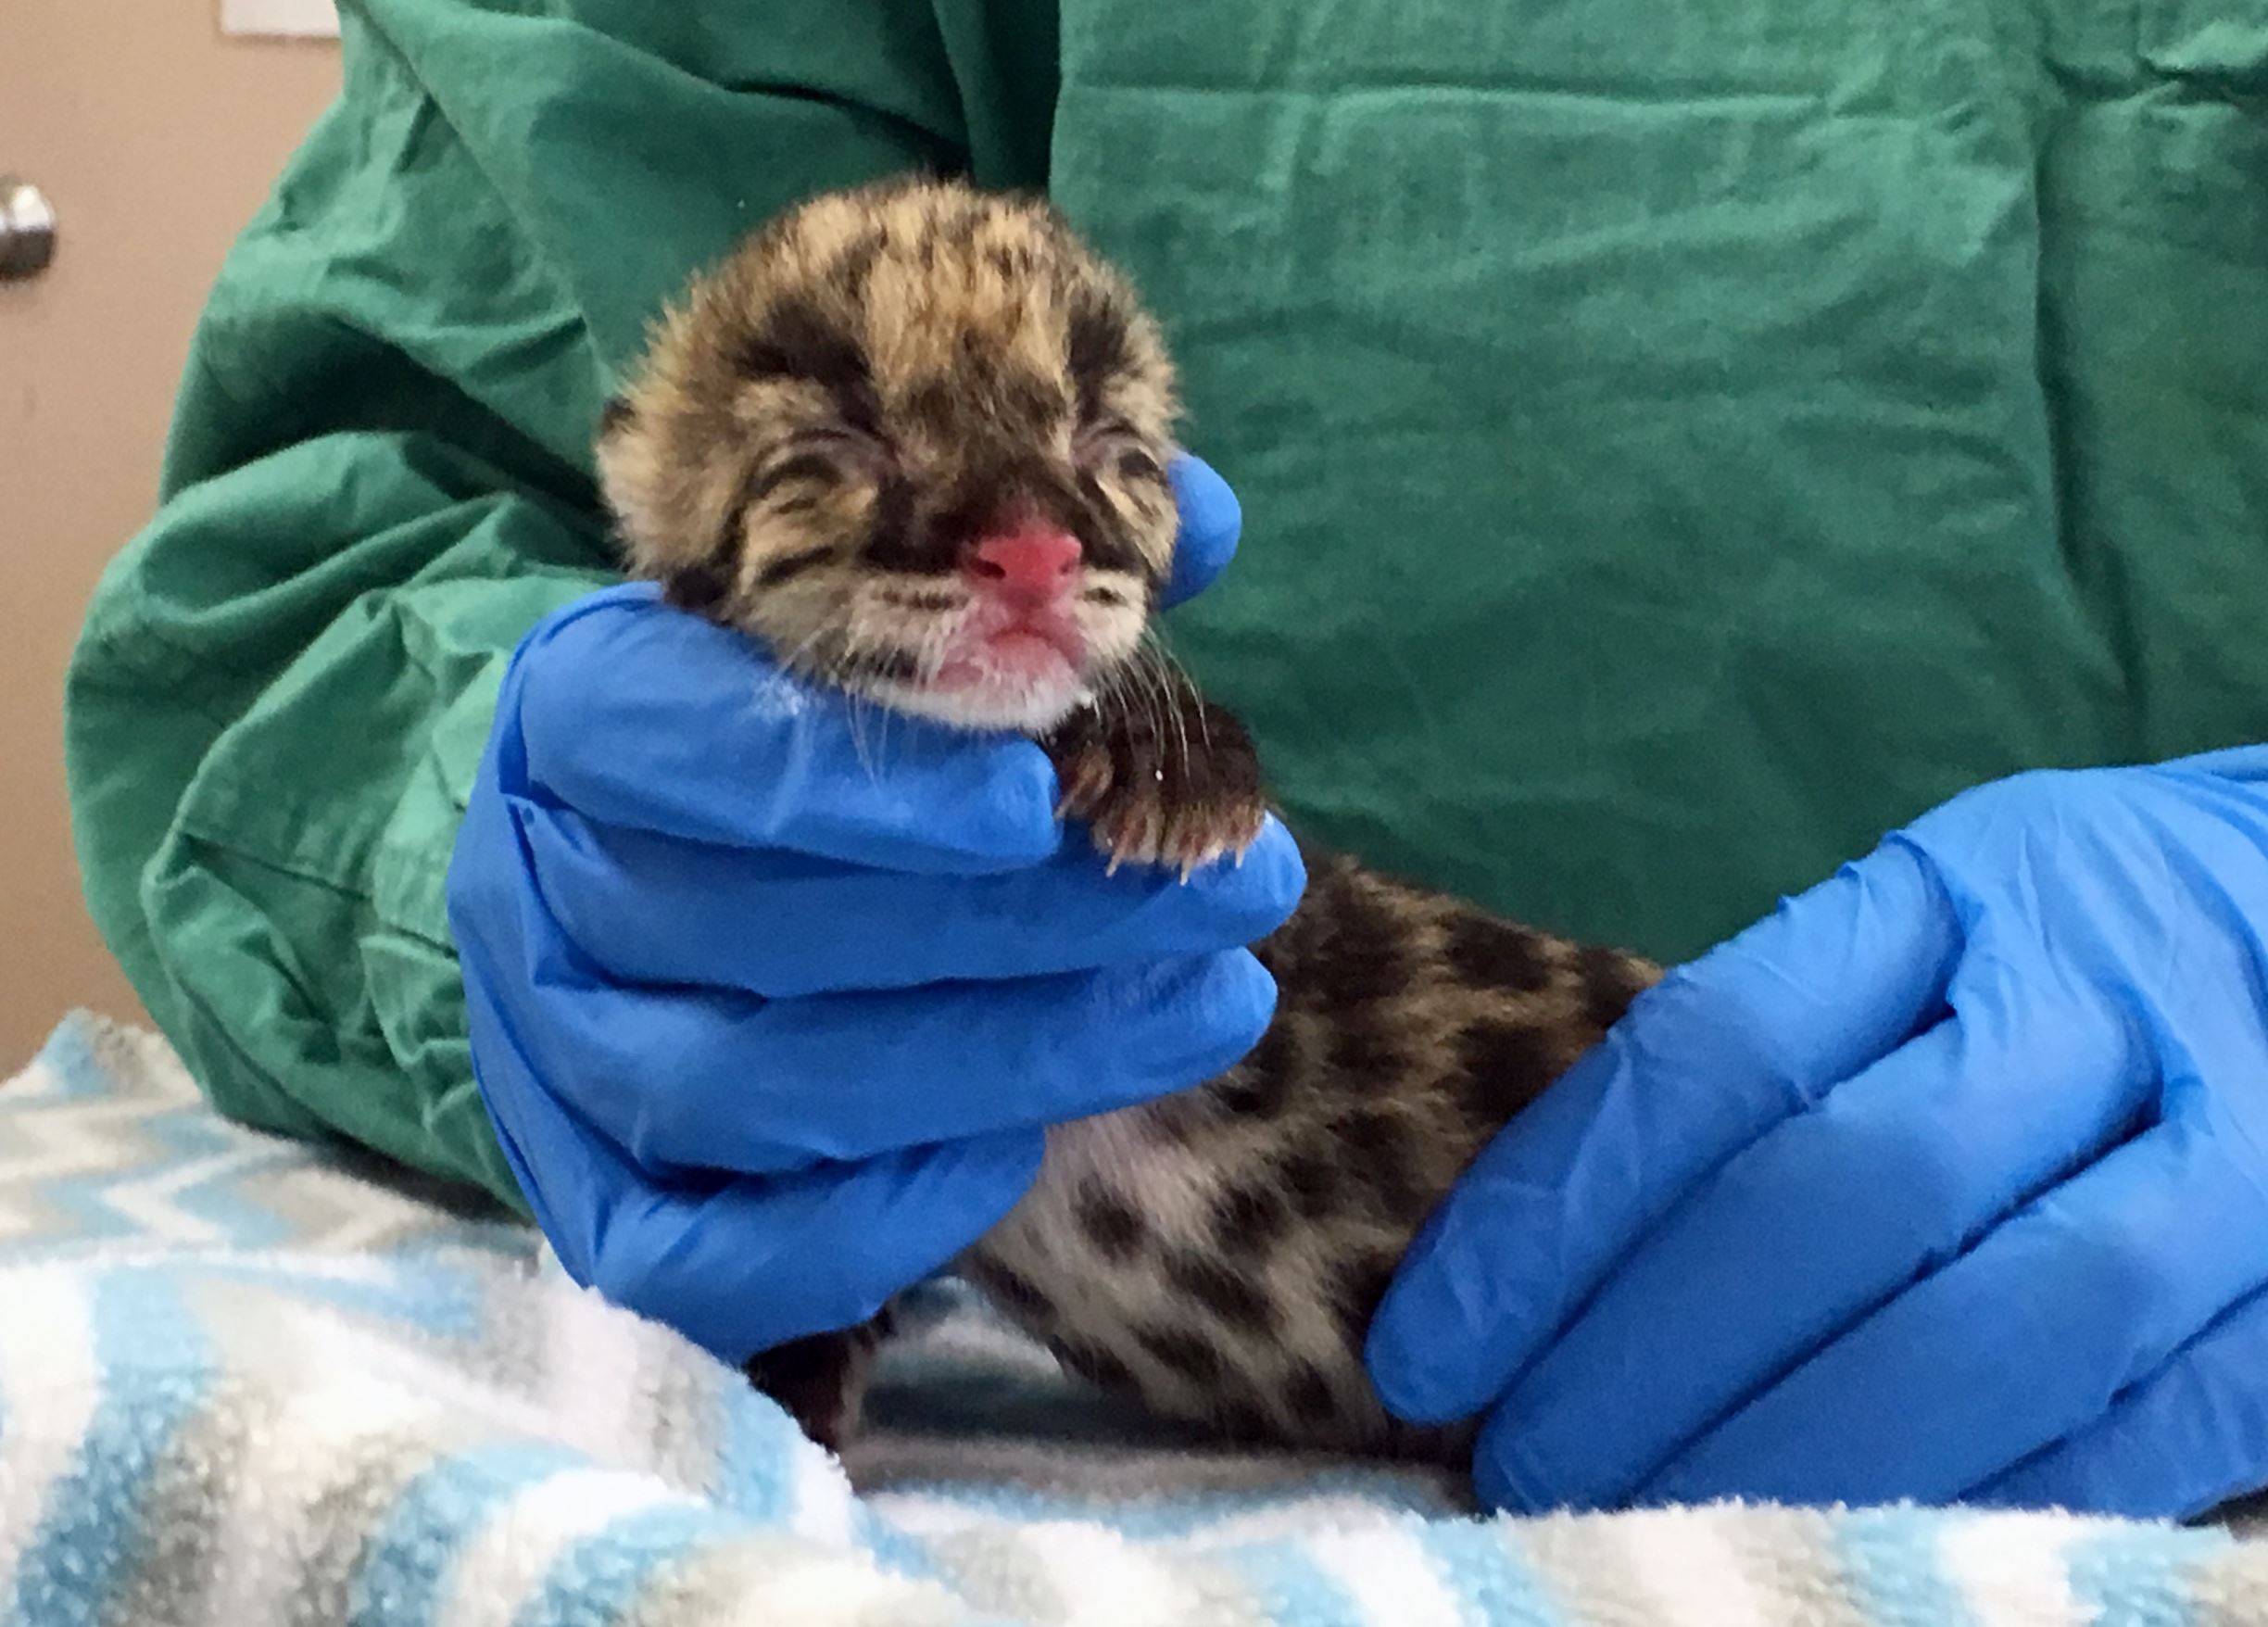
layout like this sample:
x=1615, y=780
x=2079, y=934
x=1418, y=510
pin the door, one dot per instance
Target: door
x=153, y=137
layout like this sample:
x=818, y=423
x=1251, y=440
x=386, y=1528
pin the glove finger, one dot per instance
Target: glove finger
x=691, y=1078
x=2246, y=764
x=1211, y=521
x=2087, y=1291
x=761, y=1260
x=2186, y=1440
x=1704, y=1063
x=639, y=715
x=659, y=909
x=1804, y=1232
x=737, y=1266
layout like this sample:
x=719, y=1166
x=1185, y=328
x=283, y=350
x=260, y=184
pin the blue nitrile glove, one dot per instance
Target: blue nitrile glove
x=1948, y=1181
x=770, y=1011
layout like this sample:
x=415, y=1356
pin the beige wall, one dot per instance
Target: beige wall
x=154, y=137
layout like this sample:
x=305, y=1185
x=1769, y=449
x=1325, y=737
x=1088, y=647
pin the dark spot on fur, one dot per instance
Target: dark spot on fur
x=891, y=542
x=1028, y=400
x=1229, y=1293
x=789, y=566
x=1101, y=344
x=856, y=262
x=1609, y=983
x=1094, y=1364
x=1310, y=1180
x=697, y=587
x=796, y=340
x=1248, y=1220
x=1259, y=1086
x=956, y=222
x=1501, y=1069
x=933, y=407
x=1491, y=953
x=1312, y=1399
x=615, y=414
x=1355, y=1298
x=1115, y=1228
x=1184, y=1350
x=1364, y=1047
x=976, y=508
x=1363, y=957
x=1105, y=596
x=1014, y=1289
x=1382, y=1145
x=1108, y=550
x=1245, y=1423
x=1013, y=261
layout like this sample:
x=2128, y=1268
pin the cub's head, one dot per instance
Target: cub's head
x=914, y=438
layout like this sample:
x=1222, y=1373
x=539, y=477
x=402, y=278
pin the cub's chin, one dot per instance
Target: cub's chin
x=989, y=701
x=1021, y=679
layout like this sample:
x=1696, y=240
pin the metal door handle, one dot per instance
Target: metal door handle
x=27, y=229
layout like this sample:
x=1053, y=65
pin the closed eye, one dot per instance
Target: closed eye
x=818, y=456
x=850, y=446
x=794, y=469
x=839, y=437
x=1115, y=444
x=1136, y=463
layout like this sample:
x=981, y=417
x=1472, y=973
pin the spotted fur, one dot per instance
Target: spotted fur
x=813, y=432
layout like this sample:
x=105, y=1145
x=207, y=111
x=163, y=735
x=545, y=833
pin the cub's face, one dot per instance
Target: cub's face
x=914, y=438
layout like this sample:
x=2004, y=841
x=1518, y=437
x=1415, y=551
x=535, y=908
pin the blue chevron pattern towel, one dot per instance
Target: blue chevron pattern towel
x=243, y=1384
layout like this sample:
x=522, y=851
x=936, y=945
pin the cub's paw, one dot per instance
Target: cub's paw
x=1178, y=787
x=820, y=1381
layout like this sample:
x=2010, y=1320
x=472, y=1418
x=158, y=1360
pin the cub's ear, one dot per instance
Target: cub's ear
x=645, y=482
x=675, y=504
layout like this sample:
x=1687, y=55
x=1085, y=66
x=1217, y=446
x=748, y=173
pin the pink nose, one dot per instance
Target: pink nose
x=1032, y=563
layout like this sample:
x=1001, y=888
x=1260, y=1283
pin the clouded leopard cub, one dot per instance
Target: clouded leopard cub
x=913, y=438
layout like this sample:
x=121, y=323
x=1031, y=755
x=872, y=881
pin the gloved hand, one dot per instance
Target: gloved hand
x=1949, y=1181
x=771, y=1005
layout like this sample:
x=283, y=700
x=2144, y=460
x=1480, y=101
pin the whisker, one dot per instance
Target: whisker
x=793, y=662
x=852, y=645
x=1165, y=680
x=1189, y=683
x=1110, y=698
x=1137, y=668
x=1116, y=694
x=1161, y=701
